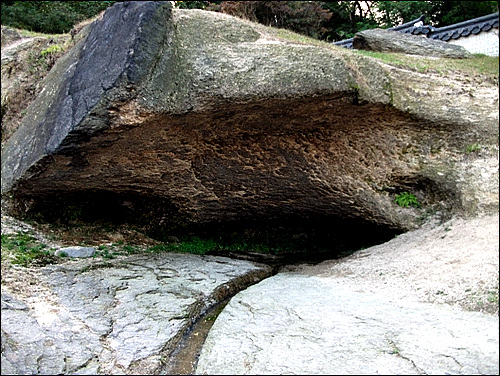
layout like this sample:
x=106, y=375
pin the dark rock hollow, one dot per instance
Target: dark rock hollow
x=195, y=121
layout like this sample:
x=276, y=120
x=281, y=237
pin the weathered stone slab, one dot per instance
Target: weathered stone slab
x=76, y=251
x=371, y=313
x=9, y=36
x=116, y=317
x=393, y=41
x=296, y=324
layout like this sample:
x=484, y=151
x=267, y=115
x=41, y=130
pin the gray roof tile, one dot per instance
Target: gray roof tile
x=462, y=29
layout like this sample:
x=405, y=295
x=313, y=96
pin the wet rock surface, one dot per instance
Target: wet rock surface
x=114, y=317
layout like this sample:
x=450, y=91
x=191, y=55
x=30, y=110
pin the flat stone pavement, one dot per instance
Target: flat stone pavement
x=111, y=317
x=408, y=306
x=270, y=328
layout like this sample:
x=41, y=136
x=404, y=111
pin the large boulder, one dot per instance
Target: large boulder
x=392, y=41
x=177, y=117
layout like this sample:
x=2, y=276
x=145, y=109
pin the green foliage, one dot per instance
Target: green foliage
x=22, y=249
x=192, y=245
x=49, y=17
x=106, y=252
x=51, y=50
x=406, y=200
x=327, y=20
x=348, y=17
x=196, y=4
x=437, y=13
x=130, y=249
x=474, y=148
x=395, y=13
x=444, y=13
x=493, y=297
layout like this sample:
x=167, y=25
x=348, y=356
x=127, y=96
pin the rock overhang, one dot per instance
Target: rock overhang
x=232, y=127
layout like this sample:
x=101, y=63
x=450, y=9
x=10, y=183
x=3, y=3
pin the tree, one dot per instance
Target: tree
x=437, y=13
x=446, y=13
x=195, y=4
x=52, y=17
x=305, y=17
x=348, y=17
x=394, y=13
x=329, y=20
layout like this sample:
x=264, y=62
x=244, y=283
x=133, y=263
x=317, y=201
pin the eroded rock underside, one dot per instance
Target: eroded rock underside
x=179, y=120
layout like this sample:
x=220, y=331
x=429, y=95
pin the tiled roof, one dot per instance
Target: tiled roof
x=462, y=29
x=347, y=43
x=406, y=27
x=419, y=30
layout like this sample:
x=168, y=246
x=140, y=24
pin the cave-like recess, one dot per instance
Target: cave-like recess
x=314, y=175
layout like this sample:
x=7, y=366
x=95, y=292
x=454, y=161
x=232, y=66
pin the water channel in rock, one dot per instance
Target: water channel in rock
x=184, y=358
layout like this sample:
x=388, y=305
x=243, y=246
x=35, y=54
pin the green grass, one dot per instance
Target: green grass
x=291, y=36
x=474, y=148
x=51, y=50
x=33, y=34
x=193, y=245
x=478, y=64
x=22, y=249
x=202, y=246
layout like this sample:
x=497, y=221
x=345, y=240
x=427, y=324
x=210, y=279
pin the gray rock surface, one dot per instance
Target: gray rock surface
x=403, y=307
x=296, y=324
x=114, y=317
x=379, y=311
x=9, y=36
x=186, y=116
x=76, y=251
x=392, y=41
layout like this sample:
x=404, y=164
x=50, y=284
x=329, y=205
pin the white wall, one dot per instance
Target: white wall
x=486, y=42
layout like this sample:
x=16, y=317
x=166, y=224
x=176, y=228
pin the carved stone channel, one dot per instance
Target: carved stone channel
x=183, y=359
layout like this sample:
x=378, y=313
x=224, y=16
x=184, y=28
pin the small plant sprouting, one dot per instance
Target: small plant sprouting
x=51, y=50
x=474, y=148
x=406, y=200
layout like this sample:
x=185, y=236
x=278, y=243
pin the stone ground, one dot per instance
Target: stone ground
x=403, y=307
x=119, y=316
x=425, y=302
x=294, y=324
